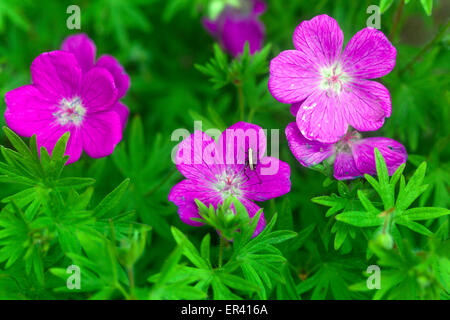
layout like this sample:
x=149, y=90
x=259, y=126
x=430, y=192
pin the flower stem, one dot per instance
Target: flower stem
x=424, y=50
x=241, y=101
x=222, y=244
x=130, y=272
x=398, y=14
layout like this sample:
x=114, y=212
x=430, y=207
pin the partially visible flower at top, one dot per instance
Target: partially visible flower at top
x=237, y=25
x=71, y=92
x=353, y=156
x=216, y=171
x=328, y=89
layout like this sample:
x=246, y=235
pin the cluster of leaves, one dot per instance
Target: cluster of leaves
x=426, y=4
x=50, y=220
x=50, y=224
x=383, y=222
x=253, y=268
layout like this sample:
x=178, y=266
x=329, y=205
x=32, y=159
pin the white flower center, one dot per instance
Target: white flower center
x=333, y=78
x=70, y=111
x=229, y=182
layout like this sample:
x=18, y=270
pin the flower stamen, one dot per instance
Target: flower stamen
x=70, y=111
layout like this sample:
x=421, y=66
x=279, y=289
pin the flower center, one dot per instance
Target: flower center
x=70, y=111
x=346, y=142
x=228, y=183
x=333, y=78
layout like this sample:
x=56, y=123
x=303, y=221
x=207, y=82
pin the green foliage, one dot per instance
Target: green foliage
x=253, y=265
x=111, y=217
x=51, y=219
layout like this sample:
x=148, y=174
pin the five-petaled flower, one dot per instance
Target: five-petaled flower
x=71, y=92
x=353, y=156
x=329, y=90
x=215, y=171
x=237, y=25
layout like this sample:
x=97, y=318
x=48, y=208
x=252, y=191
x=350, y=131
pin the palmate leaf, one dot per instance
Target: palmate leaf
x=333, y=279
x=46, y=216
x=146, y=169
x=396, y=208
x=255, y=263
x=408, y=274
x=346, y=202
x=222, y=72
x=437, y=177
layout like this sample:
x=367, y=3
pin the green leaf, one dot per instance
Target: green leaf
x=413, y=189
x=360, y=219
x=112, y=200
x=414, y=226
x=73, y=183
x=424, y=213
x=189, y=249
x=235, y=282
x=17, y=143
x=384, y=5
x=427, y=6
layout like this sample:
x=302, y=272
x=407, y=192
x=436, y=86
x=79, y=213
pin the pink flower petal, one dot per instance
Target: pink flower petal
x=321, y=117
x=211, y=26
x=121, y=78
x=320, y=39
x=123, y=112
x=393, y=152
x=259, y=7
x=345, y=167
x=98, y=91
x=369, y=54
x=307, y=152
x=197, y=158
x=366, y=104
x=292, y=77
x=28, y=111
x=237, y=31
x=183, y=195
x=237, y=139
x=101, y=132
x=269, y=179
x=83, y=48
x=295, y=107
x=74, y=145
x=56, y=74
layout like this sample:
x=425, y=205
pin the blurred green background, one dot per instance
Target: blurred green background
x=159, y=41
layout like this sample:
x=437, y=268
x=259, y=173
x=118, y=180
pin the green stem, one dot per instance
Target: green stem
x=123, y=291
x=222, y=244
x=251, y=114
x=424, y=50
x=131, y=279
x=241, y=101
x=398, y=14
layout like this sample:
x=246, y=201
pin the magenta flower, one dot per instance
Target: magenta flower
x=354, y=156
x=329, y=90
x=235, y=26
x=71, y=93
x=215, y=171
